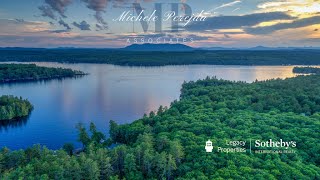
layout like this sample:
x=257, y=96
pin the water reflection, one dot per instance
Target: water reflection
x=36, y=82
x=110, y=92
x=6, y=125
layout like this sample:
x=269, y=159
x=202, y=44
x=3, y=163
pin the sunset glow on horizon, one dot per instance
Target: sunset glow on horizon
x=229, y=23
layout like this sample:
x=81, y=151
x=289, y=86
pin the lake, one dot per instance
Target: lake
x=118, y=93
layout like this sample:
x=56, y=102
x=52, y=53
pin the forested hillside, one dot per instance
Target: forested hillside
x=157, y=58
x=31, y=72
x=306, y=70
x=13, y=107
x=170, y=143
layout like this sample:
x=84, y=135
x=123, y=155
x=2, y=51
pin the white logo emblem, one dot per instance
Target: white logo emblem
x=209, y=146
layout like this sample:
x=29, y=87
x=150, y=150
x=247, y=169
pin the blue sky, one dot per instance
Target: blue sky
x=229, y=23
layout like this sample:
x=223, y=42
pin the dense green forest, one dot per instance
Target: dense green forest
x=170, y=143
x=13, y=107
x=29, y=72
x=148, y=58
x=306, y=70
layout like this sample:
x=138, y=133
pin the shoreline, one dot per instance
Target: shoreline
x=40, y=79
x=165, y=65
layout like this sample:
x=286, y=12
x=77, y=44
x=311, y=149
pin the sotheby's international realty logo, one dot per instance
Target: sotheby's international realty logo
x=254, y=146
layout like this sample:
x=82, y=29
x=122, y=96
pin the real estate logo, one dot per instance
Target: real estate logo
x=209, y=146
x=158, y=16
x=274, y=147
x=168, y=19
x=254, y=146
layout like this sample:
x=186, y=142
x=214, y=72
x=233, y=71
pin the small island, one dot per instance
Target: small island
x=13, y=108
x=306, y=70
x=32, y=72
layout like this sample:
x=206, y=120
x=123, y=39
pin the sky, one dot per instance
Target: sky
x=91, y=23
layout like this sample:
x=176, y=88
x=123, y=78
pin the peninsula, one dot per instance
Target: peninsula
x=32, y=72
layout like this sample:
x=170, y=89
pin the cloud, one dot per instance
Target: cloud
x=52, y=6
x=58, y=31
x=66, y=25
x=236, y=9
x=226, y=36
x=228, y=4
x=7, y=22
x=281, y=26
x=23, y=22
x=295, y=7
x=96, y=5
x=235, y=22
x=19, y=20
x=59, y=5
x=99, y=7
x=274, y=4
x=102, y=24
x=21, y=26
x=56, y=40
x=47, y=12
x=55, y=8
x=196, y=37
x=84, y=26
x=101, y=27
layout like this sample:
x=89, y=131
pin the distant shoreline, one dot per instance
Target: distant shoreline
x=164, y=58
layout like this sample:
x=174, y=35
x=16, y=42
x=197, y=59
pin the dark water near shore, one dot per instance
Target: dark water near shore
x=122, y=94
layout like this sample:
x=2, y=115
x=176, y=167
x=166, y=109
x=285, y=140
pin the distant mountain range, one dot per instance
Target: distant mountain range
x=262, y=48
x=182, y=47
x=174, y=48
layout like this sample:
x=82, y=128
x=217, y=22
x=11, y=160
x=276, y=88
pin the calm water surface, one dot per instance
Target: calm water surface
x=110, y=92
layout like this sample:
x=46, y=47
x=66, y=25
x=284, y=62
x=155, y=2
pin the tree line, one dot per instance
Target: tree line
x=306, y=70
x=32, y=72
x=170, y=142
x=13, y=107
x=149, y=58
